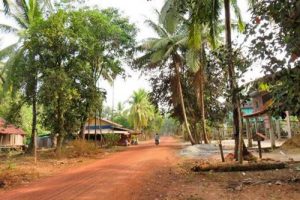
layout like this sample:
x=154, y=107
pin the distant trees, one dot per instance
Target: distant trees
x=141, y=110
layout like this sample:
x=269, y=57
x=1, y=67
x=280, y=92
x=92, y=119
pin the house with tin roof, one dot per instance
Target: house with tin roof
x=11, y=136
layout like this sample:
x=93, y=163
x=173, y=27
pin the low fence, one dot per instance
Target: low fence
x=280, y=128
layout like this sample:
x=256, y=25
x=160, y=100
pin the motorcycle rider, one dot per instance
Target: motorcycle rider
x=156, y=138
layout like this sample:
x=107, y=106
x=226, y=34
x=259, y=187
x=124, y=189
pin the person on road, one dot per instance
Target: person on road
x=156, y=139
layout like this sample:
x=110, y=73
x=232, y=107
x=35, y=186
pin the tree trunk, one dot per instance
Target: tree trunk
x=33, y=143
x=82, y=129
x=33, y=128
x=60, y=140
x=249, y=133
x=237, y=121
x=60, y=122
x=177, y=64
x=83, y=121
x=202, y=86
x=199, y=88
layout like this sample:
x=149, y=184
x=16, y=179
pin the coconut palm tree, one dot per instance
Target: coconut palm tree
x=7, y=4
x=141, y=111
x=25, y=13
x=208, y=12
x=164, y=51
x=203, y=32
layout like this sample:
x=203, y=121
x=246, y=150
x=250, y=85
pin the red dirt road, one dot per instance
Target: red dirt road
x=116, y=177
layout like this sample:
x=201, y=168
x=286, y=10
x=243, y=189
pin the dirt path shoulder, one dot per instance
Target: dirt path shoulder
x=118, y=176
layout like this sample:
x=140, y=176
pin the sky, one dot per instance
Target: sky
x=137, y=11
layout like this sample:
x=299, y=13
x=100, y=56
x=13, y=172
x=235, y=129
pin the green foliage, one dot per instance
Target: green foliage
x=155, y=123
x=169, y=126
x=111, y=139
x=275, y=25
x=64, y=80
x=141, y=111
x=79, y=148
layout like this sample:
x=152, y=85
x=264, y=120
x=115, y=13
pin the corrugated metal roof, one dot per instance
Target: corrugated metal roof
x=6, y=128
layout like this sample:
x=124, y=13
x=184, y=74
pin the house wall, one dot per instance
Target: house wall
x=257, y=103
x=91, y=122
x=44, y=142
x=11, y=140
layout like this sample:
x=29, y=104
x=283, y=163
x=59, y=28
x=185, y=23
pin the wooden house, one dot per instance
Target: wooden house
x=10, y=135
x=261, y=118
x=95, y=128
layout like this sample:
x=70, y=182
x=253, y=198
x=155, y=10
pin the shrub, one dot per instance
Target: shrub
x=78, y=148
x=111, y=139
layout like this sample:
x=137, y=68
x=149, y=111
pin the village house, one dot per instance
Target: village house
x=96, y=128
x=258, y=117
x=10, y=135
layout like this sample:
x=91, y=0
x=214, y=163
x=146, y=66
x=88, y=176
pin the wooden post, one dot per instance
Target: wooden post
x=271, y=131
x=248, y=131
x=221, y=150
x=220, y=146
x=89, y=133
x=255, y=124
x=288, y=124
x=259, y=149
x=278, y=128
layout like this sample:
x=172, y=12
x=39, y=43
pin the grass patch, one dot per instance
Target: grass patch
x=13, y=176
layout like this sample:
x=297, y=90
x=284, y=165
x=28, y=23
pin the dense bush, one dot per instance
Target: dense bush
x=78, y=148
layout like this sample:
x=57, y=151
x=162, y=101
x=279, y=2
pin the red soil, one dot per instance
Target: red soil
x=118, y=176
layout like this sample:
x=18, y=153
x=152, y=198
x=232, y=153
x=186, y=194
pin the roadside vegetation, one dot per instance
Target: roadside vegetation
x=51, y=77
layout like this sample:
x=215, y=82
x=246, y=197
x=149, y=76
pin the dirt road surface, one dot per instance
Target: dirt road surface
x=116, y=177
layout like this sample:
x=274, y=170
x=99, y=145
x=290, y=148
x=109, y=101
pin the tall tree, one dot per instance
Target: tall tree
x=164, y=51
x=89, y=38
x=25, y=14
x=208, y=12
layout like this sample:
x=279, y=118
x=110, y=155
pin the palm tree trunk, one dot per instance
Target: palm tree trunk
x=177, y=65
x=240, y=147
x=203, y=120
x=202, y=86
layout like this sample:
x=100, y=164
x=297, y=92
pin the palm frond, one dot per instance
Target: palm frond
x=180, y=40
x=169, y=16
x=195, y=36
x=148, y=44
x=237, y=11
x=10, y=69
x=6, y=6
x=213, y=21
x=8, y=28
x=19, y=19
x=23, y=9
x=158, y=55
x=161, y=43
x=46, y=5
x=157, y=28
x=34, y=10
x=7, y=51
x=193, y=59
